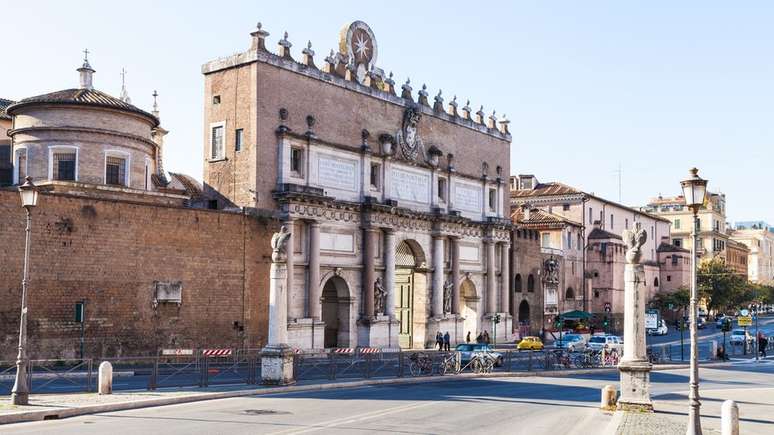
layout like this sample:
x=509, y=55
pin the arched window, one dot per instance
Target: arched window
x=570, y=293
x=531, y=283
x=655, y=282
x=517, y=283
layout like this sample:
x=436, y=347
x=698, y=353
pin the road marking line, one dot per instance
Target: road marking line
x=351, y=419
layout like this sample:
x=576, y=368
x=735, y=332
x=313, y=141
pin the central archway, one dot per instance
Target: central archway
x=469, y=309
x=524, y=328
x=335, y=312
x=409, y=285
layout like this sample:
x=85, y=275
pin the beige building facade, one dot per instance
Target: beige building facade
x=759, y=239
x=396, y=201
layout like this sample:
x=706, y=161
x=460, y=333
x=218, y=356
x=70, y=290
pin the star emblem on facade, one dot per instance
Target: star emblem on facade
x=361, y=46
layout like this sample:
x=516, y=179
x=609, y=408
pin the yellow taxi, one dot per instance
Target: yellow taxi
x=530, y=343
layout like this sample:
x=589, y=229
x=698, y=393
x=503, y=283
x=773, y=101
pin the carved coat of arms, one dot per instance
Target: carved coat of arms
x=410, y=146
x=551, y=271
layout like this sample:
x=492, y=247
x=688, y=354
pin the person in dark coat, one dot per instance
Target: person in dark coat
x=439, y=340
x=762, y=343
x=486, y=337
x=446, y=341
x=479, y=338
x=467, y=338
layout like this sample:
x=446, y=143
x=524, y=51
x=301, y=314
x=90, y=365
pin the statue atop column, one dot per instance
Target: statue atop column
x=634, y=240
x=447, y=296
x=380, y=297
x=279, y=243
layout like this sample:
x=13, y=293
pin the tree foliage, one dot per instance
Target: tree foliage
x=722, y=287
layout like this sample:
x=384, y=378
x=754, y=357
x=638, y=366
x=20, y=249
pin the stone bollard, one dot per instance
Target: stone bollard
x=105, y=378
x=609, y=396
x=713, y=349
x=729, y=418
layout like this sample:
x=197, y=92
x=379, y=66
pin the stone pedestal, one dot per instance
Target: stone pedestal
x=378, y=332
x=277, y=365
x=635, y=386
x=306, y=334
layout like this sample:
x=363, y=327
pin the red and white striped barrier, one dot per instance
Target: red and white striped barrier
x=346, y=350
x=369, y=350
x=217, y=352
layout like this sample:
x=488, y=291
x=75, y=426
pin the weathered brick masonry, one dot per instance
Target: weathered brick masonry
x=110, y=253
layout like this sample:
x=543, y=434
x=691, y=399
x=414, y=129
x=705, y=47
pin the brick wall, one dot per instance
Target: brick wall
x=109, y=253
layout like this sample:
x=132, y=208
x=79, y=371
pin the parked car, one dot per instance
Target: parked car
x=609, y=342
x=571, y=342
x=661, y=330
x=467, y=350
x=530, y=343
x=719, y=319
x=738, y=336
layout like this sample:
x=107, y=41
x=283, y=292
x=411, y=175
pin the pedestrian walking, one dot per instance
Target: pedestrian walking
x=467, y=338
x=479, y=338
x=762, y=343
x=486, y=336
x=446, y=341
x=439, y=340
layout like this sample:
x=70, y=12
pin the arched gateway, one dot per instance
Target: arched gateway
x=335, y=312
x=408, y=256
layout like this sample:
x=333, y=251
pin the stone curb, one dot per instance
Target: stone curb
x=197, y=397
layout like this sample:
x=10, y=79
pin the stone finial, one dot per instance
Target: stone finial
x=406, y=90
x=634, y=239
x=283, y=47
x=373, y=78
x=351, y=72
x=389, y=84
x=438, y=104
x=308, y=55
x=124, y=93
x=452, y=108
x=364, y=135
x=492, y=120
x=450, y=160
x=484, y=170
x=466, y=110
x=86, y=72
x=423, y=96
x=310, y=122
x=283, y=116
x=156, y=104
x=480, y=116
x=504, y=121
x=259, y=38
x=330, y=63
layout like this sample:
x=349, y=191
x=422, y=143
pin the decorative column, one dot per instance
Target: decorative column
x=438, y=276
x=491, y=279
x=277, y=357
x=291, y=243
x=369, y=250
x=389, y=271
x=505, y=274
x=315, y=306
x=634, y=366
x=455, y=267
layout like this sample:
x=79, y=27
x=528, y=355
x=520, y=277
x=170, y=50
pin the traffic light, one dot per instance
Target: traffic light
x=726, y=324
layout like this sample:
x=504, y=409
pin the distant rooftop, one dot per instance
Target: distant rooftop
x=4, y=103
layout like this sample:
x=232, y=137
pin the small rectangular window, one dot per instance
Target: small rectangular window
x=591, y=215
x=64, y=166
x=626, y=221
x=566, y=207
x=442, y=189
x=376, y=176
x=675, y=260
x=677, y=224
x=238, y=138
x=115, y=171
x=545, y=241
x=217, y=142
x=22, y=165
x=677, y=242
x=216, y=99
x=493, y=199
x=669, y=278
x=611, y=222
x=296, y=161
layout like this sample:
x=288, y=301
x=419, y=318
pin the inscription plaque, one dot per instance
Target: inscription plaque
x=336, y=173
x=467, y=197
x=410, y=186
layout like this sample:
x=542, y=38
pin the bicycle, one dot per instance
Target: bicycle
x=420, y=364
x=480, y=362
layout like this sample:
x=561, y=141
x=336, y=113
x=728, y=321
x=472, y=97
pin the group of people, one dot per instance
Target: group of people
x=483, y=337
x=443, y=341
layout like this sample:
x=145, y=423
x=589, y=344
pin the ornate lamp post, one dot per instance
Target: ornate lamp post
x=20, y=393
x=694, y=191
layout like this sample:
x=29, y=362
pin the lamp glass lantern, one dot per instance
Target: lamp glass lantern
x=29, y=193
x=694, y=190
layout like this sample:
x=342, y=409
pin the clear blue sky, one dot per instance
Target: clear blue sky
x=656, y=87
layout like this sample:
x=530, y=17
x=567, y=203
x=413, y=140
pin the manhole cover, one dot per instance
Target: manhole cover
x=263, y=412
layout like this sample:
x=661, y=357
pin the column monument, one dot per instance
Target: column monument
x=277, y=356
x=634, y=366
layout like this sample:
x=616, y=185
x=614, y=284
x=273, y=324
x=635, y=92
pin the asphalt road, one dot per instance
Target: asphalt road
x=561, y=405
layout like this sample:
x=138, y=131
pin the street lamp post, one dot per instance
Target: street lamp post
x=694, y=191
x=20, y=393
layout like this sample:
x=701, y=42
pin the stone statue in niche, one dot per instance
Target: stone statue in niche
x=279, y=242
x=410, y=146
x=380, y=297
x=634, y=240
x=447, y=296
x=551, y=271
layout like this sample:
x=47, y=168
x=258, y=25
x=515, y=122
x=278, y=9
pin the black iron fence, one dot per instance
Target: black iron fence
x=243, y=367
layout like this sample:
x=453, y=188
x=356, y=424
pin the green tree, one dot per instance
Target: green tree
x=720, y=285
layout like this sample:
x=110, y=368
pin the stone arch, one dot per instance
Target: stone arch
x=469, y=306
x=410, y=291
x=655, y=282
x=517, y=283
x=531, y=283
x=569, y=293
x=409, y=253
x=524, y=313
x=336, y=308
